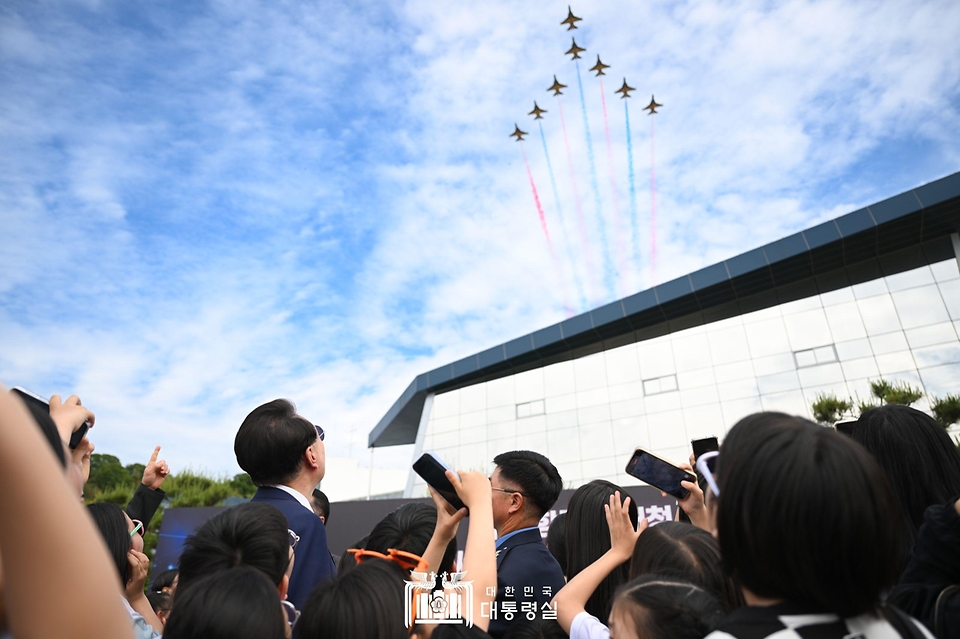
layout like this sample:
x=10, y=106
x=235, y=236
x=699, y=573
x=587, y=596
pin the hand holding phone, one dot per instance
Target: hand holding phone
x=659, y=473
x=705, y=445
x=72, y=420
x=433, y=471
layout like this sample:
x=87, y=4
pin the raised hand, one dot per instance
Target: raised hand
x=68, y=415
x=622, y=535
x=155, y=472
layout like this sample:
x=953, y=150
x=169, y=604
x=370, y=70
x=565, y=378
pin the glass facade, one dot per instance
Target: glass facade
x=588, y=414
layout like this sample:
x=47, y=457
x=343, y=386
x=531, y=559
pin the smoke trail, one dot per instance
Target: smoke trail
x=634, y=221
x=617, y=223
x=563, y=226
x=653, y=207
x=595, y=183
x=543, y=225
x=581, y=222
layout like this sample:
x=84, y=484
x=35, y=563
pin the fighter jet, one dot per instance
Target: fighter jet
x=599, y=67
x=536, y=112
x=575, y=50
x=571, y=20
x=625, y=89
x=556, y=87
x=652, y=107
x=517, y=133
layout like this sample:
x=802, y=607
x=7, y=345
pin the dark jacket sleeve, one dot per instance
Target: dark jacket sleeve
x=929, y=588
x=144, y=503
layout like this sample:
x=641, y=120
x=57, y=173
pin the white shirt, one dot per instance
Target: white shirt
x=586, y=626
x=297, y=494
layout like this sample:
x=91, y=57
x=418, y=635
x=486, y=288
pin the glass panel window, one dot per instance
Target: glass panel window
x=777, y=383
x=860, y=368
x=529, y=409
x=845, y=322
x=888, y=343
x=622, y=365
x=690, y=351
x=528, y=385
x=895, y=362
x=660, y=385
x=774, y=364
x=941, y=380
x=854, y=350
x=920, y=306
x=728, y=345
x=910, y=279
x=937, y=355
x=951, y=297
x=558, y=379
x=879, y=315
x=820, y=375
x=768, y=338
x=656, y=358
x=738, y=389
x=945, y=270
x=869, y=289
x=808, y=329
x=838, y=296
x=805, y=358
x=928, y=335
x=591, y=371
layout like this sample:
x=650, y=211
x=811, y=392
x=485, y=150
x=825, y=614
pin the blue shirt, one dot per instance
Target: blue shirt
x=500, y=540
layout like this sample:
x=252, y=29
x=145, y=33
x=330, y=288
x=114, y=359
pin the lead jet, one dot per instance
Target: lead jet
x=599, y=67
x=536, y=113
x=575, y=50
x=652, y=107
x=571, y=20
x=625, y=90
x=517, y=133
x=556, y=87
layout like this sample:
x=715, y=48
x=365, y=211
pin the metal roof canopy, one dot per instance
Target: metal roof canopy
x=895, y=235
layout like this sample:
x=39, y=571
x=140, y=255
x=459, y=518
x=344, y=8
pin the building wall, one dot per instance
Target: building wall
x=587, y=415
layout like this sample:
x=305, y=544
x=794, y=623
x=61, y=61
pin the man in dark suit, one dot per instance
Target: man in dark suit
x=525, y=485
x=284, y=455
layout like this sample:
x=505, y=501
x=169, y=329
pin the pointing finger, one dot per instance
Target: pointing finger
x=156, y=452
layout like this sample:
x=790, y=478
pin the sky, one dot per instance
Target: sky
x=207, y=205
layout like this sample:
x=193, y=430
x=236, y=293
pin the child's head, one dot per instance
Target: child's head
x=659, y=607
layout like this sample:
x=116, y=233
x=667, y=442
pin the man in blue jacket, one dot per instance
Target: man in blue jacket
x=284, y=455
x=525, y=486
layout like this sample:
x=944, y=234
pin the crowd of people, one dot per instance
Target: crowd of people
x=794, y=530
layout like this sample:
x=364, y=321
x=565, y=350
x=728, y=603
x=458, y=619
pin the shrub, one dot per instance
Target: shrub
x=828, y=409
x=946, y=410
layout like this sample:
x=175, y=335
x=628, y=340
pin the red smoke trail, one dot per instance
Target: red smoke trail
x=543, y=225
x=653, y=207
x=618, y=225
x=581, y=223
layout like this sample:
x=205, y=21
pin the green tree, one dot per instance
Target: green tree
x=946, y=410
x=828, y=409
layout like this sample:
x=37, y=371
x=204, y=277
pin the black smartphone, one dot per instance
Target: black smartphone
x=659, y=473
x=432, y=469
x=705, y=445
x=846, y=426
x=41, y=405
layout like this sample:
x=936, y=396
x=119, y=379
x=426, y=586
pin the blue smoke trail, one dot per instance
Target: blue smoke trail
x=607, y=261
x=633, y=189
x=563, y=227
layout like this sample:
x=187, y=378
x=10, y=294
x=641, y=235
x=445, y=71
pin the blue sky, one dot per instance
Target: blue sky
x=206, y=205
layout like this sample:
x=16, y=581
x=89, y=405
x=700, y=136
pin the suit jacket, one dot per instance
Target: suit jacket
x=144, y=503
x=312, y=563
x=523, y=560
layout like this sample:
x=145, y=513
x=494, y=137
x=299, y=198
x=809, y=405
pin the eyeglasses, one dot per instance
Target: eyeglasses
x=509, y=492
x=137, y=528
x=293, y=615
x=404, y=559
x=707, y=465
x=294, y=538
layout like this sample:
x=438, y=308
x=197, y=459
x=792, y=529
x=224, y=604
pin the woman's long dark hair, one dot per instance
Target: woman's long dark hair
x=112, y=524
x=687, y=552
x=588, y=537
x=237, y=602
x=916, y=455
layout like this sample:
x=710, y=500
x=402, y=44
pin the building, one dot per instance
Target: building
x=872, y=294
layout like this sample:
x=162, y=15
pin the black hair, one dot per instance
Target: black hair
x=917, y=456
x=665, y=607
x=252, y=534
x=343, y=608
x=537, y=629
x=271, y=442
x=237, y=602
x=321, y=503
x=112, y=525
x=460, y=631
x=41, y=415
x=348, y=560
x=160, y=601
x=588, y=538
x=534, y=475
x=163, y=580
x=557, y=540
x=687, y=552
x=410, y=528
x=796, y=501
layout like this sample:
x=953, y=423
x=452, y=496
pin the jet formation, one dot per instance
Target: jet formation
x=571, y=23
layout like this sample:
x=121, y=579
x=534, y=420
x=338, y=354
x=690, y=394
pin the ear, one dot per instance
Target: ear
x=323, y=520
x=310, y=458
x=516, y=503
x=284, y=586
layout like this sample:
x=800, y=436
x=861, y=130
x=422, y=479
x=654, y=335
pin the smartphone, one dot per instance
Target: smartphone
x=705, y=445
x=846, y=426
x=40, y=404
x=432, y=469
x=659, y=473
